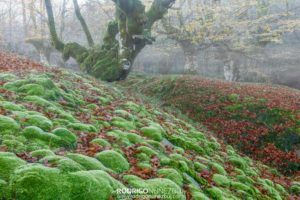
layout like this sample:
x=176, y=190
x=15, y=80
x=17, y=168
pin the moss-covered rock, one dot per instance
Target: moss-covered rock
x=11, y=106
x=158, y=187
x=171, y=174
x=8, y=163
x=113, y=160
x=41, y=153
x=87, y=162
x=35, y=133
x=218, y=168
x=32, y=89
x=152, y=133
x=67, y=137
x=38, y=121
x=82, y=127
x=221, y=180
x=101, y=142
x=123, y=123
x=8, y=125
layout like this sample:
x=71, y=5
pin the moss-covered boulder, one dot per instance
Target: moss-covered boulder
x=8, y=163
x=171, y=174
x=8, y=125
x=152, y=132
x=39, y=121
x=113, y=160
x=67, y=137
x=156, y=188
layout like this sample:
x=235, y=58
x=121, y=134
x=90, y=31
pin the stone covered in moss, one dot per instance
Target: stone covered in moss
x=221, y=180
x=87, y=162
x=123, y=123
x=41, y=153
x=101, y=142
x=113, y=160
x=8, y=125
x=11, y=106
x=35, y=133
x=67, y=137
x=157, y=187
x=152, y=133
x=171, y=174
x=38, y=121
x=8, y=163
x=83, y=127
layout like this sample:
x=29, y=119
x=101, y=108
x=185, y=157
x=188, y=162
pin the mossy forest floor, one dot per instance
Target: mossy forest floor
x=65, y=135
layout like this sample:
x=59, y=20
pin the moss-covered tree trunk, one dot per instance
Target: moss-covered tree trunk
x=126, y=36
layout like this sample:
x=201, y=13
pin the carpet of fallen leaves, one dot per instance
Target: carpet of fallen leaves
x=263, y=121
x=12, y=62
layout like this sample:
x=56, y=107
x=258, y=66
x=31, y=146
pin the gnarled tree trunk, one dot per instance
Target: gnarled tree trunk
x=126, y=36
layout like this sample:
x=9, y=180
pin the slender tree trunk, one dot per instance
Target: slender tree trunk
x=62, y=19
x=83, y=23
x=24, y=14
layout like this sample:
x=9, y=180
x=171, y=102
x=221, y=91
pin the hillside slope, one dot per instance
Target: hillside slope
x=262, y=121
x=68, y=136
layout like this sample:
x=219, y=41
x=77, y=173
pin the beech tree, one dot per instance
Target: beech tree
x=125, y=37
x=235, y=28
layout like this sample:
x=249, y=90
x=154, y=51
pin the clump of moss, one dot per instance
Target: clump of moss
x=32, y=89
x=152, y=133
x=221, y=180
x=82, y=127
x=218, y=168
x=38, y=101
x=101, y=142
x=8, y=125
x=38, y=121
x=67, y=137
x=11, y=106
x=8, y=163
x=35, y=133
x=171, y=174
x=123, y=123
x=113, y=160
x=158, y=187
x=41, y=153
x=87, y=162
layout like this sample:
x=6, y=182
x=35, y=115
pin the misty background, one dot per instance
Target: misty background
x=235, y=40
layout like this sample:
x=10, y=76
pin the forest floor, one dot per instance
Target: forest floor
x=66, y=135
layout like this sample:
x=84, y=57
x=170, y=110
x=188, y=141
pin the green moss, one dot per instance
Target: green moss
x=8, y=163
x=8, y=125
x=13, y=145
x=38, y=182
x=200, y=167
x=216, y=193
x=32, y=89
x=87, y=162
x=240, y=186
x=41, y=153
x=92, y=185
x=238, y=162
x=101, y=142
x=148, y=151
x=157, y=187
x=7, y=77
x=38, y=101
x=171, y=174
x=35, y=133
x=218, y=168
x=152, y=133
x=38, y=121
x=134, y=138
x=62, y=163
x=221, y=180
x=67, y=137
x=295, y=188
x=123, y=123
x=113, y=160
x=11, y=106
x=124, y=114
x=83, y=127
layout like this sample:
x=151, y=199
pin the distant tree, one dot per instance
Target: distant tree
x=126, y=36
x=234, y=28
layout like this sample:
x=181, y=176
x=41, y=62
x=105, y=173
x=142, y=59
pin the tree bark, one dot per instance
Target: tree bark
x=83, y=23
x=125, y=37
